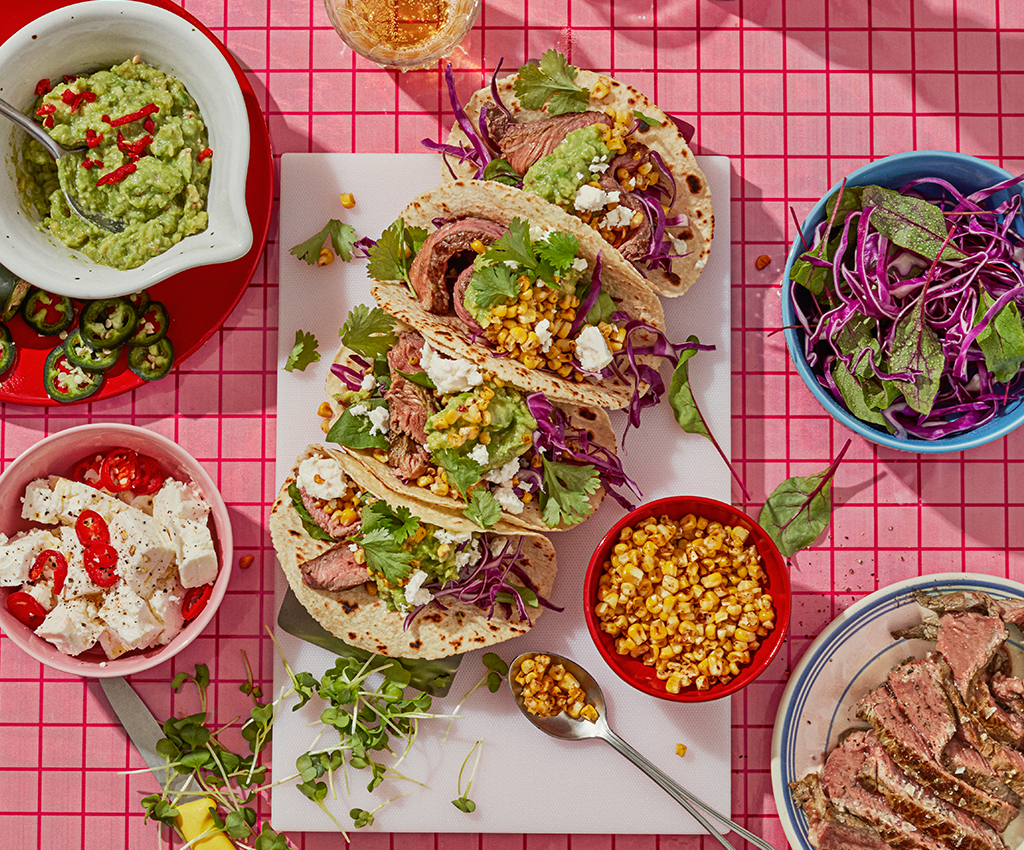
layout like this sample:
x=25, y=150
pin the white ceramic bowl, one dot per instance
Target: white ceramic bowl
x=100, y=34
x=55, y=455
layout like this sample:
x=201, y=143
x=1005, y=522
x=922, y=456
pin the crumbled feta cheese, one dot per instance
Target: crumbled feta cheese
x=197, y=559
x=618, y=217
x=543, y=329
x=591, y=198
x=378, y=417
x=503, y=475
x=479, y=454
x=509, y=500
x=39, y=503
x=512, y=264
x=41, y=593
x=369, y=382
x=322, y=478
x=538, y=233
x=72, y=626
x=598, y=167
x=415, y=593
x=145, y=550
x=177, y=500
x=443, y=536
x=129, y=621
x=449, y=375
x=468, y=555
x=591, y=349
x=580, y=264
x=19, y=553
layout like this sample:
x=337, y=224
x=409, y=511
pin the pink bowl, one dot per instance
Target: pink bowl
x=55, y=455
x=634, y=671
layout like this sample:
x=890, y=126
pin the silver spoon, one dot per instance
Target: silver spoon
x=57, y=150
x=564, y=727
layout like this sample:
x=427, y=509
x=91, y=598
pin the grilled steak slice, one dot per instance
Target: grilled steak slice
x=966, y=762
x=930, y=814
x=908, y=749
x=1007, y=610
x=637, y=243
x=918, y=690
x=969, y=642
x=408, y=458
x=409, y=404
x=830, y=828
x=459, y=300
x=839, y=780
x=1009, y=690
x=336, y=569
x=927, y=629
x=523, y=143
x=429, y=269
x=322, y=517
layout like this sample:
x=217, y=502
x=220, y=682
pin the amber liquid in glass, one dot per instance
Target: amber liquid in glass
x=402, y=24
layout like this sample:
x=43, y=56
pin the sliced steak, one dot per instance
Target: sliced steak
x=910, y=751
x=961, y=601
x=969, y=642
x=429, y=270
x=966, y=762
x=932, y=815
x=1009, y=690
x=459, y=300
x=322, y=517
x=522, y=143
x=830, y=828
x=839, y=779
x=637, y=243
x=408, y=458
x=334, y=570
x=409, y=404
x=917, y=687
x=927, y=629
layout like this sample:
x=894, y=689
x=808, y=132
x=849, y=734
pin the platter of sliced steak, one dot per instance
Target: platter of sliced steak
x=903, y=724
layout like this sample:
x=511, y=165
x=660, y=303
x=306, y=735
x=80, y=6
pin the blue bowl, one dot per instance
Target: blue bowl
x=967, y=174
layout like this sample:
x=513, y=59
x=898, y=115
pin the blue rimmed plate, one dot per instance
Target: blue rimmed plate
x=850, y=657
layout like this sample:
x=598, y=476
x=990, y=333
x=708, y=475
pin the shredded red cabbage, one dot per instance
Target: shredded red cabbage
x=351, y=378
x=870, y=277
x=592, y=295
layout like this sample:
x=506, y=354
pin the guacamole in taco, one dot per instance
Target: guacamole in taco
x=396, y=577
x=600, y=150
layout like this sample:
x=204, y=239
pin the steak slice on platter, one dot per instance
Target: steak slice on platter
x=909, y=750
x=960, y=601
x=917, y=687
x=966, y=762
x=929, y=813
x=334, y=570
x=522, y=143
x=1009, y=690
x=839, y=779
x=830, y=828
x=969, y=642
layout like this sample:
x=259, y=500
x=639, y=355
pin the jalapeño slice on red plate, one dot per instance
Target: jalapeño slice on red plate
x=152, y=325
x=66, y=382
x=108, y=322
x=152, y=362
x=47, y=314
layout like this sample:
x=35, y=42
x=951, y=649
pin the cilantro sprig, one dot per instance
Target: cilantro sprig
x=483, y=508
x=382, y=535
x=566, y=491
x=368, y=331
x=392, y=254
x=303, y=353
x=551, y=82
x=342, y=237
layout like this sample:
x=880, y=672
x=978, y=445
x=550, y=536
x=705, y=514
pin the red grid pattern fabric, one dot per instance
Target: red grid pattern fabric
x=797, y=94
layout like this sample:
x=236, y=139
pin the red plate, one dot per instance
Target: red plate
x=215, y=290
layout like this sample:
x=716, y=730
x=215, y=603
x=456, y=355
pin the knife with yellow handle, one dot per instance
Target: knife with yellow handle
x=194, y=817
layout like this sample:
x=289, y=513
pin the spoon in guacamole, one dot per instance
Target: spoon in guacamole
x=57, y=151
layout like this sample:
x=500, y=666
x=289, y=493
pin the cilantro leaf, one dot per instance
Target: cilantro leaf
x=392, y=254
x=342, y=236
x=647, y=120
x=551, y=81
x=514, y=245
x=483, y=508
x=303, y=352
x=385, y=555
x=370, y=332
x=353, y=430
x=559, y=249
x=398, y=522
x=563, y=497
x=462, y=472
x=492, y=285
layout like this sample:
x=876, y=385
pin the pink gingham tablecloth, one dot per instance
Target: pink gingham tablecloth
x=797, y=94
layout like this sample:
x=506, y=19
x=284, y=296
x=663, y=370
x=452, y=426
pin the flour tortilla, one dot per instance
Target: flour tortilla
x=693, y=195
x=364, y=621
x=593, y=419
x=447, y=334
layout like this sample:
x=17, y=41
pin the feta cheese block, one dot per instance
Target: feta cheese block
x=77, y=582
x=74, y=498
x=197, y=560
x=166, y=604
x=130, y=623
x=72, y=626
x=18, y=554
x=177, y=501
x=145, y=550
x=40, y=504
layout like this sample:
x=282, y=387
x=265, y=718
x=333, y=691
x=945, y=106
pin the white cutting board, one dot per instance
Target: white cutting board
x=526, y=782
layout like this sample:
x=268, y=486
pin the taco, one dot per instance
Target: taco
x=451, y=434
x=600, y=150
x=396, y=577
x=501, y=278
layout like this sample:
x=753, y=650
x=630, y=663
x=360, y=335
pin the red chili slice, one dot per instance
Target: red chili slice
x=148, y=476
x=43, y=86
x=87, y=471
x=195, y=601
x=119, y=469
x=91, y=528
x=48, y=558
x=60, y=575
x=100, y=561
x=26, y=608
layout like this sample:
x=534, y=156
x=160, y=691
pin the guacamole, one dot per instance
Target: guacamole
x=147, y=163
x=435, y=553
x=509, y=426
x=558, y=176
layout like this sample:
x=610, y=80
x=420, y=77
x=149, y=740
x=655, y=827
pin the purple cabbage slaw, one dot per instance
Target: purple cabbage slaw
x=553, y=436
x=482, y=150
x=864, y=282
x=480, y=583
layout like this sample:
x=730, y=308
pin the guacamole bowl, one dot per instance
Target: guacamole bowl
x=94, y=36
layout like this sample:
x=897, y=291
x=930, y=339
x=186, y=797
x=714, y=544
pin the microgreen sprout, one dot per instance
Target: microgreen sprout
x=462, y=802
x=497, y=670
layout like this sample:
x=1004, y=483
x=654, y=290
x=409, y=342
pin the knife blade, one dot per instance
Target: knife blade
x=142, y=727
